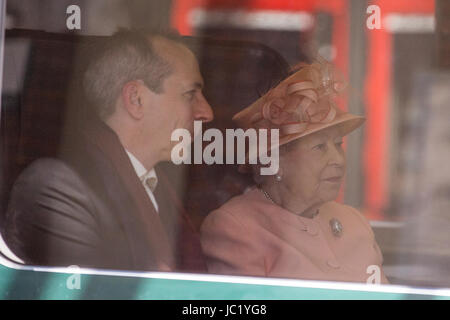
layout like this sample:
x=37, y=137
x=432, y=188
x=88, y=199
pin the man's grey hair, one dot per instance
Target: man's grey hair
x=123, y=57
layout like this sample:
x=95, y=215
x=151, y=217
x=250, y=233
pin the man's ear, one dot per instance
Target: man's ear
x=132, y=99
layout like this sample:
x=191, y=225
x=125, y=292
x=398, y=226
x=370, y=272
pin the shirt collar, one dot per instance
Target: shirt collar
x=140, y=170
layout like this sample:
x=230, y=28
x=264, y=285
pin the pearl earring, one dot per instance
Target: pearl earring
x=278, y=177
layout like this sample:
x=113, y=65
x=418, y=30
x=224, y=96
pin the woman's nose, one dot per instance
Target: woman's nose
x=337, y=155
x=203, y=111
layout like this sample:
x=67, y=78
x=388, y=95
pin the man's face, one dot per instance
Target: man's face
x=181, y=101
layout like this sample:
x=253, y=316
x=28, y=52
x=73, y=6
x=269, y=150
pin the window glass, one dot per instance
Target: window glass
x=371, y=207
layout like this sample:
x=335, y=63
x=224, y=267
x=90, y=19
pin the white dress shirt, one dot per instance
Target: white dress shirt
x=148, y=178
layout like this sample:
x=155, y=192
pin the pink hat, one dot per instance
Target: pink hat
x=301, y=104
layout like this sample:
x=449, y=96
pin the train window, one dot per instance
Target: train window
x=128, y=130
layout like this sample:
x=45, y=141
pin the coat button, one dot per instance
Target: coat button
x=333, y=264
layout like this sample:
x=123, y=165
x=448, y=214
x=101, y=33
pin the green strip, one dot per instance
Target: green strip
x=64, y=286
x=179, y=289
x=15, y=284
x=7, y=275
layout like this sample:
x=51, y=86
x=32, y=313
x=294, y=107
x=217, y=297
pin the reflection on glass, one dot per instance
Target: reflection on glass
x=395, y=173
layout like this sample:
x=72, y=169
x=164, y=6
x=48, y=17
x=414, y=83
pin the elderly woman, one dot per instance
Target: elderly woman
x=289, y=225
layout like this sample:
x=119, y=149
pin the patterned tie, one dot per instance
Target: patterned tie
x=151, y=183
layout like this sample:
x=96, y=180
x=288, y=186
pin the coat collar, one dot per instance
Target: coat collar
x=107, y=141
x=142, y=172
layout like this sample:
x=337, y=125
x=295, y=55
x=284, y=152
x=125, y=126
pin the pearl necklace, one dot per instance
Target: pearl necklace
x=266, y=194
x=335, y=224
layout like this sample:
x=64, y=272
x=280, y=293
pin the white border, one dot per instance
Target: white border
x=289, y=24
x=254, y=19
x=409, y=23
x=2, y=45
x=398, y=289
x=386, y=224
x=3, y=247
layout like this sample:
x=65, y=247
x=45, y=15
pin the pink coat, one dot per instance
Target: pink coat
x=249, y=235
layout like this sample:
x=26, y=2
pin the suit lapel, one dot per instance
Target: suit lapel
x=183, y=235
x=168, y=212
x=158, y=242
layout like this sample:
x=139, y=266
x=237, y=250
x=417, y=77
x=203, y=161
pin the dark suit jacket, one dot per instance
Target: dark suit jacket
x=90, y=209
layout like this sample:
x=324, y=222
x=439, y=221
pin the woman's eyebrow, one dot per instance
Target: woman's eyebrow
x=315, y=141
x=329, y=134
x=319, y=137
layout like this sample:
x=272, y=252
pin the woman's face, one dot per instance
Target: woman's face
x=314, y=166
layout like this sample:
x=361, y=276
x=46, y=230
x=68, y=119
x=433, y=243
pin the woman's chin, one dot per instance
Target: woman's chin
x=330, y=193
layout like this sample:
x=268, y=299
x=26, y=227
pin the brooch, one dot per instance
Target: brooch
x=336, y=227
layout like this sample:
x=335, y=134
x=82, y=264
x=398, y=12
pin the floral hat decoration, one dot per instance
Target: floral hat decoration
x=301, y=104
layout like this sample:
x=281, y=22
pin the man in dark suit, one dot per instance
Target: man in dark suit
x=103, y=204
